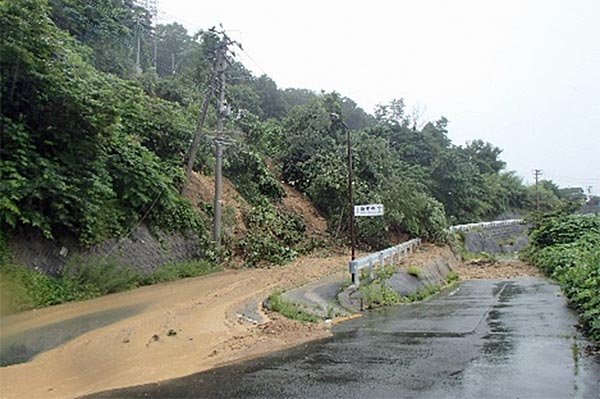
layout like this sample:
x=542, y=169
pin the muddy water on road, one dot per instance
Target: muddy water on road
x=488, y=339
x=23, y=346
x=151, y=333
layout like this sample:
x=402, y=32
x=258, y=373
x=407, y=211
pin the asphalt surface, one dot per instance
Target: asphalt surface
x=484, y=339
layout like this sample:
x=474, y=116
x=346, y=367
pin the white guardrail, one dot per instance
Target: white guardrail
x=469, y=226
x=397, y=252
x=391, y=255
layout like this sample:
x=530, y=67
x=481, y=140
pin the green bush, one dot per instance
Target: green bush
x=567, y=249
x=422, y=294
x=378, y=293
x=89, y=278
x=249, y=173
x=414, y=271
x=273, y=236
x=554, y=230
x=22, y=289
x=83, y=151
x=452, y=277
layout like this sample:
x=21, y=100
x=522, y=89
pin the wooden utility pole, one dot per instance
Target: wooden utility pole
x=339, y=120
x=537, y=173
x=350, y=194
x=222, y=113
x=193, y=151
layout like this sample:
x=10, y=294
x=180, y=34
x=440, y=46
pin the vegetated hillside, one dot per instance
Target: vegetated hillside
x=266, y=233
x=95, y=132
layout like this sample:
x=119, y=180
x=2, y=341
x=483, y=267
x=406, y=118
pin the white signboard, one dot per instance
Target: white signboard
x=368, y=210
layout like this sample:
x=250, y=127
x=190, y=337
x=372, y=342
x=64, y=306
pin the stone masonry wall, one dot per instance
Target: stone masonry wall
x=143, y=251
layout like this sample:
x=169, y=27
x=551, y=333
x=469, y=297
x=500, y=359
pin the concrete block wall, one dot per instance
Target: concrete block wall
x=497, y=239
x=143, y=251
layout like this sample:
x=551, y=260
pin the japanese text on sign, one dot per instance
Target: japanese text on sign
x=368, y=210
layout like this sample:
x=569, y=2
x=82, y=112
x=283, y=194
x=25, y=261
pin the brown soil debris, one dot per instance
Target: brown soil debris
x=501, y=269
x=295, y=202
x=202, y=189
x=202, y=311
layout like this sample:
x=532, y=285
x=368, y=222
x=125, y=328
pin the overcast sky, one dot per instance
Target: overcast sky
x=523, y=75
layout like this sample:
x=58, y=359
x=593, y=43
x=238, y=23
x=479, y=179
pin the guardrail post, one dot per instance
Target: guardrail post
x=354, y=272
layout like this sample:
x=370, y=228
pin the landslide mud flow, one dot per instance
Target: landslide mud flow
x=486, y=339
x=153, y=333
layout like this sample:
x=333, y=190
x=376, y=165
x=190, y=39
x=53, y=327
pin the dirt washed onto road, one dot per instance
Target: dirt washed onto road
x=501, y=269
x=182, y=327
x=176, y=329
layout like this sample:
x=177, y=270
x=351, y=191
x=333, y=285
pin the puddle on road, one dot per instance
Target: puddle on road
x=22, y=347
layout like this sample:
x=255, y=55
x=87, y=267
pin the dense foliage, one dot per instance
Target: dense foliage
x=95, y=130
x=567, y=248
x=83, y=152
x=274, y=237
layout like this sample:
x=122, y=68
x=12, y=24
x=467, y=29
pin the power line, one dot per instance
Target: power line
x=254, y=61
x=190, y=26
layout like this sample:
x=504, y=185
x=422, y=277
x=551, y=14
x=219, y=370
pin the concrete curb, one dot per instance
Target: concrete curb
x=320, y=297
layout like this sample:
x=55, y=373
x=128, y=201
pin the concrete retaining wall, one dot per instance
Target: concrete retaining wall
x=433, y=272
x=141, y=250
x=497, y=240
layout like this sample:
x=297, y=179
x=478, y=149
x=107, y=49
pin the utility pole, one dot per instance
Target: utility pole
x=222, y=113
x=154, y=11
x=350, y=194
x=537, y=173
x=193, y=152
x=337, y=118
x=138, y=68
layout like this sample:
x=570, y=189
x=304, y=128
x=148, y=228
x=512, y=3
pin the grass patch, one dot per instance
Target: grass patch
x=422, y=294
x=452, y=277
x=414, y=271
x=377, y=293
x=290, y=309
x=176, y=271
x=22, y=288
x=385, y=272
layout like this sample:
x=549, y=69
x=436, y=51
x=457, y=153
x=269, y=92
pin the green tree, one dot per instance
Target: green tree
x=485, y=156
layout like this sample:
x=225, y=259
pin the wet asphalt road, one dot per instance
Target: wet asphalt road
x=484, y=339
